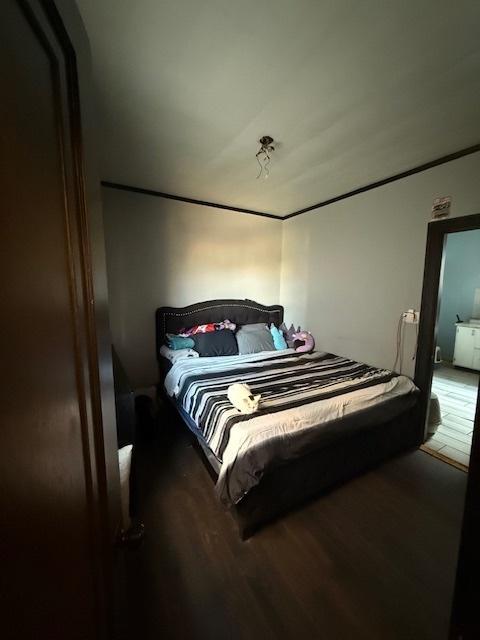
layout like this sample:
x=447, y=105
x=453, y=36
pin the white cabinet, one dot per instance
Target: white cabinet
x=476, y=360
x=467, y=347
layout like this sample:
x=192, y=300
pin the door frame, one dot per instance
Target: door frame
x=58, y=25
x=465, y=622
x=431, y=294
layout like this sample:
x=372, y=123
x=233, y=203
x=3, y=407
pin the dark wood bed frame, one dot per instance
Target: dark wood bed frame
x=289, y=485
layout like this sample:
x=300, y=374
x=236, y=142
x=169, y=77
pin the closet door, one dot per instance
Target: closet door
x=58, y=472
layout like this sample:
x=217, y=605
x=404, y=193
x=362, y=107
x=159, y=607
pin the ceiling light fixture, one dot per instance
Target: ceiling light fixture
x=263, y=155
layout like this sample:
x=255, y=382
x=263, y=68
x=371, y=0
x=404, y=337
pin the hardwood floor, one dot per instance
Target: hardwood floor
x=374, y=559
x=457, y=392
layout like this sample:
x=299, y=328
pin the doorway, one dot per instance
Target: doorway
x=447, y=368
x=456, y=364
x=464, y=617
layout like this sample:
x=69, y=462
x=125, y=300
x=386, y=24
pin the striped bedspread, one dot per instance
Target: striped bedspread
x=300, y=392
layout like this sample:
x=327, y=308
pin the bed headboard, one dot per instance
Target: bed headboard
x=172, y=319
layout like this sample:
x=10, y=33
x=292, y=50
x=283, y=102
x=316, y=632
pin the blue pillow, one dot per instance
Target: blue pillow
x=179, y=342
x=278, y=339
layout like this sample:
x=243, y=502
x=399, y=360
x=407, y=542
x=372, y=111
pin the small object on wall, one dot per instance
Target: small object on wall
x=441, y=207
x=411, y=316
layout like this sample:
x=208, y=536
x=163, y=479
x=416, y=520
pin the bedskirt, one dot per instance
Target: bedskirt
x=296, y=482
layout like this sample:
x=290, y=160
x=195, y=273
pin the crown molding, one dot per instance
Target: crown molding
x=380, y=183
x=349, y=194
x=169, y=196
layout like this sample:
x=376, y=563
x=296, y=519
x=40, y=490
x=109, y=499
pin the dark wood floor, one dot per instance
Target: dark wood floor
x=374, y=559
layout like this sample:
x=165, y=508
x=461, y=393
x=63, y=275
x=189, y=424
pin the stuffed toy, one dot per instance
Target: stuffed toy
x=289, y=333
x=303, y=341
x=242, y=398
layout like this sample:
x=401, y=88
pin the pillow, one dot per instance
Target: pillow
x=278, y=339
x=177, y=354
x=179, y=342
x=304, y=341
x=216, y=343
x=253, y=338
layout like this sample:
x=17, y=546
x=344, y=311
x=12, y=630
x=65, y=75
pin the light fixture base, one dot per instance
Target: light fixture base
x=263, y=155
x=265, y=141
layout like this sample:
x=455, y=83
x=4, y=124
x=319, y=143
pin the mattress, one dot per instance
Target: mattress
x=308, y=401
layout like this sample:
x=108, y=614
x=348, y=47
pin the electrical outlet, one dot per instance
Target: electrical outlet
x=411, y=316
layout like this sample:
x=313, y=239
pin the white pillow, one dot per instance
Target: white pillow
x=177, y=354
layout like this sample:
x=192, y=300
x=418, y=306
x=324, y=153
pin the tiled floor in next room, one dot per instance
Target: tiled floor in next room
x=457, y=393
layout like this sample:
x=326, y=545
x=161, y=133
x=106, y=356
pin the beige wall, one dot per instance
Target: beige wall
x=161, y=252
x=350, y=269
x=345, y=271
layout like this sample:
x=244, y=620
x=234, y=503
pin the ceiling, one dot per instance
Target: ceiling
x=352, y=91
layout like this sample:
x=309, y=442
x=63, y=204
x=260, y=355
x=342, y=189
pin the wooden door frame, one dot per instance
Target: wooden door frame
x=436, y=237
x=465, y=622
x=57, y=23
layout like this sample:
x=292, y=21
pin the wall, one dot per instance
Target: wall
x=461, y=276
x=345, y=271
x=350, y=269
x=161, y=252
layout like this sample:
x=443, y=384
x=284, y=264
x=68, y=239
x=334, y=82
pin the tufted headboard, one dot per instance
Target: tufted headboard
x=172, y=319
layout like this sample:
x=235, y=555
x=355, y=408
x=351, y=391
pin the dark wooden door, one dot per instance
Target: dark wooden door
x=465, y=619
x=466, y=602
x=58, y=475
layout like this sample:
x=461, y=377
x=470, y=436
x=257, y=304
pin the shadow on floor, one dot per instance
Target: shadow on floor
x=373, y=559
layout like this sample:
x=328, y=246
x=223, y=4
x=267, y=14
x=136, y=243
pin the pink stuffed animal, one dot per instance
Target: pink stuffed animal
x=289, y=333
x=306, y=339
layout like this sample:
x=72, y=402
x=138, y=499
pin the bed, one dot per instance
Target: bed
x=323, y=418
